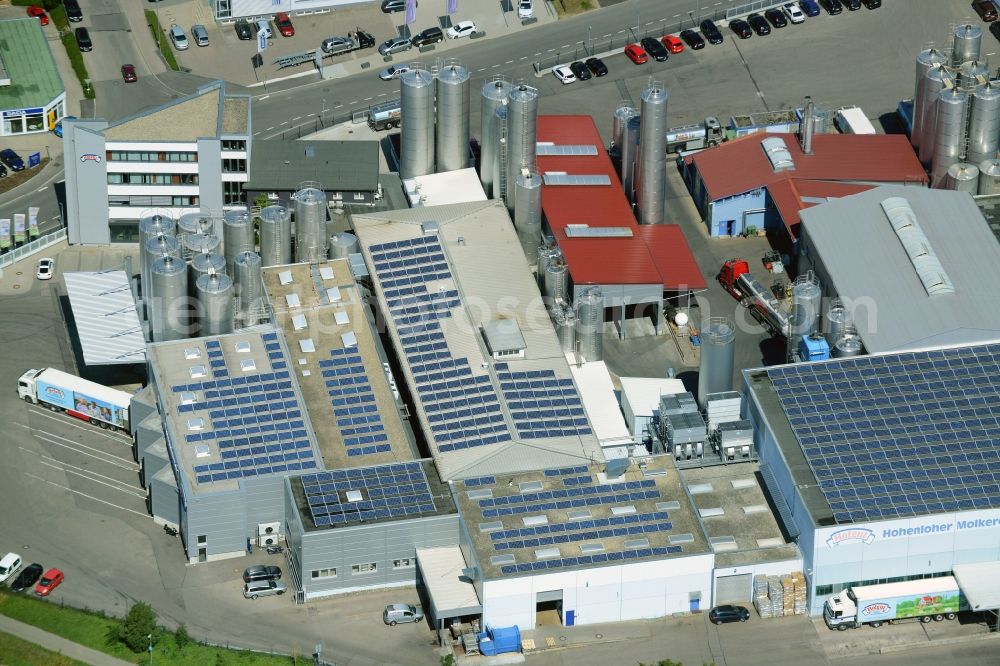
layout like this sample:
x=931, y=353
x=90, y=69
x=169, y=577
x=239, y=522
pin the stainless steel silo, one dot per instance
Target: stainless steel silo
x=528, y=212
x=630, y=157
x=652, y=177
x=949, y=146
x=925, y=60
x=237, y=235
x=968, y=38
x=343, y=244
x=214, y=293
x=310, y=224
x=417, y=135
x=522, y=121
x=989, y=177
x=275, y=236
x=590, y=324
x=249, y=287
x=838, y=320
x=556, y=282
x=718, y=353
x=193, y=224
x=169, y=316
x=972, y=74
x=564, y=320
x=806, y=310
x=452, y=117
x=151, y=226
x=194, y=244
x=935, y=83
x=619, y=120
x=847, y=346
x=963, y=177
x=547, y=253
x=984, y=123
x=204, y=264
x=493, y=96
x=153, y=249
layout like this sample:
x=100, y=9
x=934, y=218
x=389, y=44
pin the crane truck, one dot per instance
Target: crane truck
x=926, y=599
x=735, y=278
x=82, y=399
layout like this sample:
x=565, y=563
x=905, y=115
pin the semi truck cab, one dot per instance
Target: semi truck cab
x=26, y=386
x=840, y=609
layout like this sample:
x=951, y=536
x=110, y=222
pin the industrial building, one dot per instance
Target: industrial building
x=882, y=467
x=32, y=94
x=187, y=156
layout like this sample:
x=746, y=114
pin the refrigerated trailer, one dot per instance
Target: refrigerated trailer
x=82, y=399
x=925, y=599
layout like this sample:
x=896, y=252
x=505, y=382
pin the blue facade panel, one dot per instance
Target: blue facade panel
x=731, y=216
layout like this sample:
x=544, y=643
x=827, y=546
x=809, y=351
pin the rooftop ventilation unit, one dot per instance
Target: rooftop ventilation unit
x=917, y=247
x=549, y=148
x=616, y=467
x=777, y=153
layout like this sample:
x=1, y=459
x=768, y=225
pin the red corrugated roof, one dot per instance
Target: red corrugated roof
x=792, y=195
x=741, y=165
x=606, y=260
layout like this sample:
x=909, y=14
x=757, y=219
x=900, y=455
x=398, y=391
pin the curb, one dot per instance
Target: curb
x=939, y=642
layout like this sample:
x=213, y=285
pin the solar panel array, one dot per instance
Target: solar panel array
x=900, y=435
x=620, y=556
x=353, y=403
x=256, y=419
x=396, y=490
x=569, y=498
x=463, y=410
x=541, y=404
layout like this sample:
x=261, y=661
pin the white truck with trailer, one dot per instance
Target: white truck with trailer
x=926, y=599
x=852, y=120
x=80, y=398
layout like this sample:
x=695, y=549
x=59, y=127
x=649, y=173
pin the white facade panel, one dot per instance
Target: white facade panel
x=153, y=190
x=136, y=212
x=152, y=167
x=149, y=146
x=235, y=177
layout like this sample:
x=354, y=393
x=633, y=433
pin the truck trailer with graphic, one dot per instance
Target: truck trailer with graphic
x=82, y=399
x=927, y=599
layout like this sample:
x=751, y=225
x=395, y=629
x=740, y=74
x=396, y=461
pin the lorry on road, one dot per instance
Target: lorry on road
x=707, y=133
x=386, y=115
x=735, y=278
x=852, y=120
x=927, y=599
x=82, y=399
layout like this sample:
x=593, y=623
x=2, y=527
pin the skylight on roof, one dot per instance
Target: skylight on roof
x=591, y=548
x=189, y=398
x=248, y=364
x=541, y=519
x=196, y=423
x=349, y=339
x=579, y=514
x=333, y=293
x=623, y=510
x=636, y=543
x=202, y=451
x=546, y=553
x=672, y=505
x=292, y=300
x=196, y=371
x=341, y=318
x=676, y=539
x=307, y=346
x=299, y=322
x=500, y=560
x=480, y=493
x=354, y=496
x=326, y=272
x=192, y=353
x=491, y=527
x=285, y=277
x=243, y=347
x=531, y=486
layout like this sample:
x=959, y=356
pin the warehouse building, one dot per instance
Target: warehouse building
x=883, y=467
x=32, y=94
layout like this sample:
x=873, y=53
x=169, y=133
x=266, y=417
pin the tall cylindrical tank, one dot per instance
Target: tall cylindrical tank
x=237, y=235
x=528, y=212
x=201, y=244
x=848, y=345
x=275, y=236
x=619, y=120
x=343, y=244
x=310, y=224
x=452, y=117
x=972, y=74
x=417, y=135
x=963, y=177
x=984, y=123
x=196, y=222
x=547, y=252
x=151, y=226
x=949, y=145
x=989, y=177
x=556, y=282
x=168, y=316
x=522, y=120
x=153, y=249
x=718, y=349
x=925, y=60
x=214, y=293
x=630, y=156
x=204, y=264
x=652, y=155
x=493, y=96
x=935, y=83
x=967, y=39
x=838, y=320
x=249, y=287
x=590, y=324
x=806, y=309
x=564, y=320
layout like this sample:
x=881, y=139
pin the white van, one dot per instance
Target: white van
x=262, y=26
x=9, y=565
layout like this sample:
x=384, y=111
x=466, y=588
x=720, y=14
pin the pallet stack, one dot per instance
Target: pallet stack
x=799, y=605
x=787, y=595
x=777, y=596
x=760, y=600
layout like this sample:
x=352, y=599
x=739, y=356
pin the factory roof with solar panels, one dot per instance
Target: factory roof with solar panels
x=887, y=436
x=435, y=272
x=336, y=362
x=578, y=516
x=232, y=409
x=366, y=495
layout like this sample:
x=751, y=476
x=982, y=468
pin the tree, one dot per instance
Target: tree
x=448, y=660
x=139, y=627
x=181, y=637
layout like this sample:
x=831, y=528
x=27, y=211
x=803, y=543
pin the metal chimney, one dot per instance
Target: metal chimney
x=806, y=127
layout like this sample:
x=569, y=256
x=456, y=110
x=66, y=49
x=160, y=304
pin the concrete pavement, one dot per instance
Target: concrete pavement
x=58, y=644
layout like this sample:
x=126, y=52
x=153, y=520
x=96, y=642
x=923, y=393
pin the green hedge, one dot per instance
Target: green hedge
x=48, y=5
x=163, y=41
x=76, y=60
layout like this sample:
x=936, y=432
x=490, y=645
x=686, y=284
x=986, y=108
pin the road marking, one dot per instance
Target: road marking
x=368, y=99
x=263, y=97
x=269, y=128
x=481, y=69
x=353, y=101
x=551, y=51
x=381, y=94
x=115, y=460
x=296, y=118
x=69, y=469
x=76, y=424
x=77, y=492
x=283, y=124
x=523, y=57
x=509, y=62
x=565, y=46
x=42, y=189
x=337, y=105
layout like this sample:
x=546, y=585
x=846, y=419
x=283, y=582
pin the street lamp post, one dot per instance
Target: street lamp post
x=149, y=638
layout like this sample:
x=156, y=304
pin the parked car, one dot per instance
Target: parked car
x=31, y=573
x=199, y=34
x=672, y=44
x=178, y=37
x=809, y=7
x=832, y=7
x=654, y=48
x=243, y=30
x=995, y=29
x=261, y=572
x=741, y=28
x=776, y=17
x=395, y=45
x=852, y=5
x=597, y=67
x=564, y=74
x=635, y=53
x=759, y=24
x=83, y=40
x=431, y=35
x=580, y=71
x=9, y=565
x=794, y=12
x=3, y=169
x=711, y=31
x=525, y=9
x=46, y=269
x=401, y=613
x=728, y=613
x=57, y=130
x=263, y=588
x=461, y=29
x=872, y=4
x=693, y=39
x=73, y=11
x=34, y=11
x=284, y=24
x=51, y=579
x=11, y=160
x=128, y=73
x=391, y=6
x=393, y=72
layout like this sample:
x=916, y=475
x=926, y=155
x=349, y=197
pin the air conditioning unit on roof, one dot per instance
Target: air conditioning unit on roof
x=268, y=529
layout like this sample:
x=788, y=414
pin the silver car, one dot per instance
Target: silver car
x=393, y=72
x=395, y=45
x=178, y=37
x=199, y=34
x=401, y=613
x=263, y=588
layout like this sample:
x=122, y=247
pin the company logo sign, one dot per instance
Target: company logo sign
x=875, y=609
x=90, y=157
x=54, y=392
x=850, y=535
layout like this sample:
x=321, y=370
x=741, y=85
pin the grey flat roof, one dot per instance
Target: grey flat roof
x=106, y=318
x=34, y=76
x=503, y=335
x=336, y=165
x=209, y=112
x=867, y=266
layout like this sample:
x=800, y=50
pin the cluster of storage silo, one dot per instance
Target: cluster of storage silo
x=434, y=141
x=639, y=146
x=956, y=115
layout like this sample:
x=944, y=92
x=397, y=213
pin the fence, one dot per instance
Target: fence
x=30, y=248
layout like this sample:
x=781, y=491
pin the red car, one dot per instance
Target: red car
x=128, y=73
x=37, y=12
x=636, y=54
x=49, y=582
x=284, y=24
x=673, y=44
